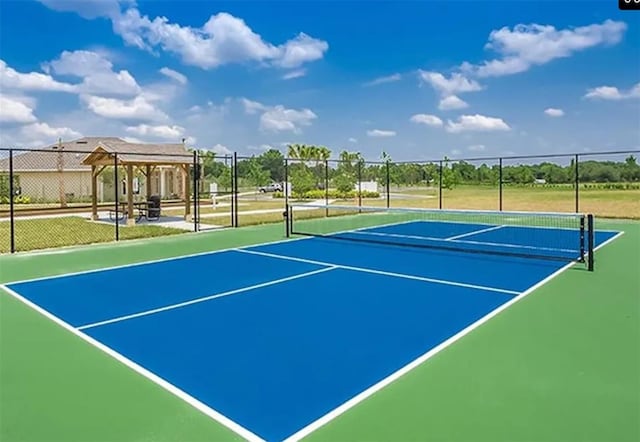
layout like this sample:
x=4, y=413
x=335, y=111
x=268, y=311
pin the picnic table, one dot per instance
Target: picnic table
x=146, y=209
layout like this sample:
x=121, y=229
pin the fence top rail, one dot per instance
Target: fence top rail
x=88, y=152
x=522, y=157
x=190, y=155
x=454, y=160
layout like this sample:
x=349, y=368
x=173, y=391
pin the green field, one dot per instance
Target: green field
x=562, y=364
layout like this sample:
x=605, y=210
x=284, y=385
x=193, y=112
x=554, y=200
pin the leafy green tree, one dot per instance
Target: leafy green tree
x=302, y=180
x=257, y=174
x=345, y=182
x=631, y=169
x=273, y=161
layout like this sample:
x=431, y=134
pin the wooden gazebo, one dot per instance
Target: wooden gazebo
x=143, y=157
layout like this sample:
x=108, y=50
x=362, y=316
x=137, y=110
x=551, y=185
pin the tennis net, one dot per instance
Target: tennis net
x=555, y=236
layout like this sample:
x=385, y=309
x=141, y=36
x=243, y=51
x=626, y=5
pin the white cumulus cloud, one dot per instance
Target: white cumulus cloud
x=137, y=109
x=452, y=102
x=14, y=110
x=223, y=39
x=32, y=81
x=477, y=123
x=613, y=93
x=40, y=129
x=429, y=120
x=252, y=107
x=553, y=112
x=456, y=83
x=96, y=71
x=530, y=45
x=166, y=132
x=174, y=75
x=220, y=149
x=379, y=133
x=279, y=119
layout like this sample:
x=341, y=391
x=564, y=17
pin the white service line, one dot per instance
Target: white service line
x=421, y=359
x=475, y=232
x=206, y=298
x=381, y=272
x=202, y=407
x=463, y=241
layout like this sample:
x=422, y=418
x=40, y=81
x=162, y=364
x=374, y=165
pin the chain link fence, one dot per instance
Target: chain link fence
x=66, y=196
x=72, y=195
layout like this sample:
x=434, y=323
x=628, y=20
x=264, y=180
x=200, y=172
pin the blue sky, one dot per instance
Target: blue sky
x=419, y=79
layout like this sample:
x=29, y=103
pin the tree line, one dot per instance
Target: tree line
x=307, y=170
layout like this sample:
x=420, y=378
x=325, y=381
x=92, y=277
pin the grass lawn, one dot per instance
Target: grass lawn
x=33, y=234
x=600, y=202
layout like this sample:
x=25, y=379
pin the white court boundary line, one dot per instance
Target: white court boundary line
x=205, y=298
x=421, y=359
x=380, y=272
x=217, y=416
x=475, y=232
x=464, y=241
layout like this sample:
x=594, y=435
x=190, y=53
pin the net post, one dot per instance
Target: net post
x=286, y=182
x=590, y=235
x=117, y=186
x=440, y=188
x=577, y=183
x=12, y=226
x=500, y=182
x=289, y=220
x=287, y=227
x=326, y=187
x=234, y=196
x=582, y=238
x=388, y=184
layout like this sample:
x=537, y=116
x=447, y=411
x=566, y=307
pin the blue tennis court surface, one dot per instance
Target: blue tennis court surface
x=275, y=336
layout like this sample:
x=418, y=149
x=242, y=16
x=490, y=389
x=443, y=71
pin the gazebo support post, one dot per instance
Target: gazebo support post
x=94, y=193
x=147, y=181
x=131, y=221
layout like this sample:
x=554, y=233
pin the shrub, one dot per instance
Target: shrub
x=22, y=199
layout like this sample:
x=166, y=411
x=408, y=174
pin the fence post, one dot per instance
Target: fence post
x=360, y=185
x=234, y=195
x=577, y=181
x=500, y=182
x=440, y=188
x=230, y=188
x=388, y=184
x=326, y=187
x=117, y=191
x=196, y=203
x=12, y=227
